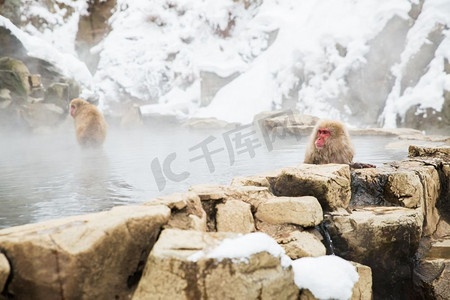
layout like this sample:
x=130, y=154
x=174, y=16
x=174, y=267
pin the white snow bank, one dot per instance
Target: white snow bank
x=37, y=47
x=327, y=277
x=242, y=247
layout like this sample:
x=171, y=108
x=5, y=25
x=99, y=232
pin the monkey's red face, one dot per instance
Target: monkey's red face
x=322, y=135
x=72, y=110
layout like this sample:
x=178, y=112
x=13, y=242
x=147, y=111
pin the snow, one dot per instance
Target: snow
x=242, y=247
x=325, y=276
x=282, y=49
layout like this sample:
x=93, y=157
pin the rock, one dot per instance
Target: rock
x=14, y=74
x=5, y=270
x=211, y=83
x=362, y=290
x=304, y=211
x=235, y=216
x=132, y=119
x=208, y=123
x=432, y=272
x=38, y=115
x=299, y=244
x=35, y=80
x=409, y=184
x=383, y=238
x=95, y=256
x=177, y=269
x=187, y=211
x=329, y=183
x=92, y=28
x=5, y=95
x=58, y=94
x=437, y=152
x=213, y=195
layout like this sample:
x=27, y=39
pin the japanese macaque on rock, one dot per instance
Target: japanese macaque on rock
x=331, y=143
x=90, y=125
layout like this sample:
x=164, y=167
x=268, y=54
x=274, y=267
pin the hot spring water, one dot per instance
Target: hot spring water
x=48, y=176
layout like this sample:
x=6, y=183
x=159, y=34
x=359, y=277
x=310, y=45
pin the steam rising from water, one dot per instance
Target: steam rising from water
x=49, y=176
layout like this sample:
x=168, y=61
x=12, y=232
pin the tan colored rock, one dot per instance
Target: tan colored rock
x=212, y=195
x=95, y=256
x=383, y=238
x=250, y=194
x=304, y=211
x=261, y=180
x=404, y=188
x=302, y=244
x=187, y=211
x=329, y=183
x=362, y=290
x=419, y=151
x=171, y=271
x=235, y=216
x=432, y=272
x=5, y=269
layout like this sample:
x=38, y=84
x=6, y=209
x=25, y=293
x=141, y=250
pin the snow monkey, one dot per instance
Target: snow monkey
x=90, y=125
x=331, y=143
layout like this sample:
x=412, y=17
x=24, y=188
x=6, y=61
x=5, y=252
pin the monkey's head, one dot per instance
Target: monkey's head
x=75, y=105
x=326, y=131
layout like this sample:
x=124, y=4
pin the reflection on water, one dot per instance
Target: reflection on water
x=48, y=176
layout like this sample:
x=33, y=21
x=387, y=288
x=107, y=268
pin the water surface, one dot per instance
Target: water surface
x=49, y=176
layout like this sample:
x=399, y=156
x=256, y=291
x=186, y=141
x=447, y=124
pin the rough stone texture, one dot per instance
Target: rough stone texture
x=18, y=70
x=299, y=244
x=5, y=270
x=432, y=272
x=304, y=211
x=187, y=211
x=329, y=183
x=362, y=290
x=170, y=274
x=95, y=256
x=383, y=238
x=439, y=152
x=235, y=216
x=212, y=195
x=410, y=183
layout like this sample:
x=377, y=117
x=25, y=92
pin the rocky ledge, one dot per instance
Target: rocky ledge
x=391, y=223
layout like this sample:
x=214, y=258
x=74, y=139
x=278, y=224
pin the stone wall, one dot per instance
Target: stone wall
x=391, y=222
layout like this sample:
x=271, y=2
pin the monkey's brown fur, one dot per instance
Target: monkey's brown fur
x=90, y=125
x=338, y=147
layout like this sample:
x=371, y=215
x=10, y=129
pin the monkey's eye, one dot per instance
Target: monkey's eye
x=323, y=131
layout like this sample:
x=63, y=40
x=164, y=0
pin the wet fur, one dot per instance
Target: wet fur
x=338, y=146
x=90, y=125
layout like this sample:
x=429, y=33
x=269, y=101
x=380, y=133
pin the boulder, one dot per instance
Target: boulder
x=304, y=211
x=14, y=76
x=383, y=238
x=329, y=183
x=213, y=195
x=299, y=244
x=432, y=272
x=95, y=256
x=187, y=212
x=410, y=183
x=195, y=265
x=235, y=216
x=5, y=270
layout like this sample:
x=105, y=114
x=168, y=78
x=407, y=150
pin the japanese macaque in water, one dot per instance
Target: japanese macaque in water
x=331, y=143
x=90, y=125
